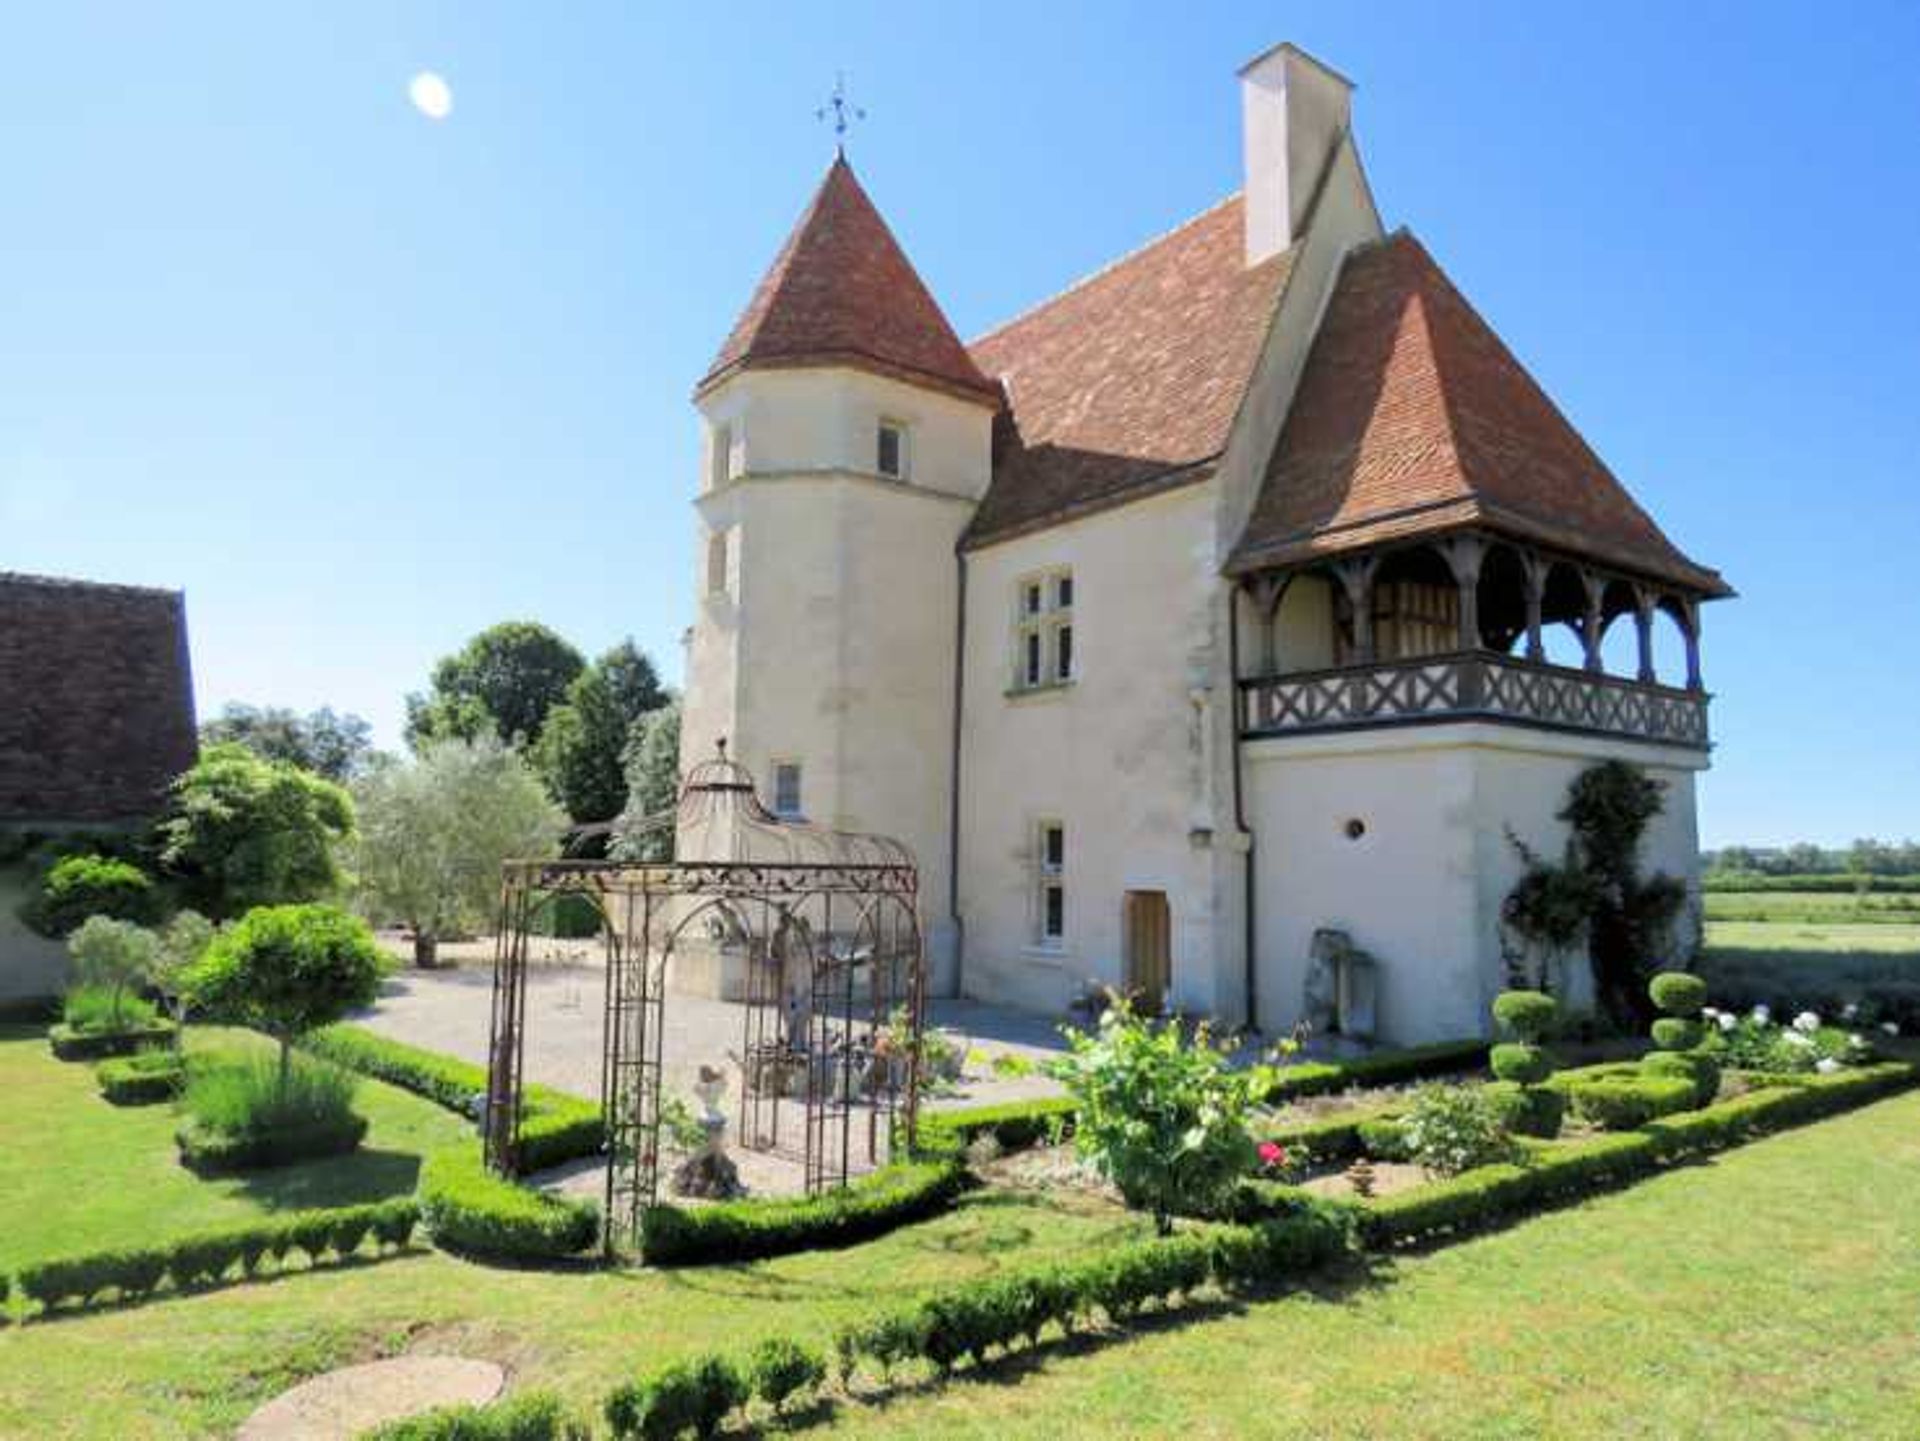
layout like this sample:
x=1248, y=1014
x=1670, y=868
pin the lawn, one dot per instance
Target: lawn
x=1896, y=908
x=81, y=1174
x=198, y=1365
x=1643, y=1313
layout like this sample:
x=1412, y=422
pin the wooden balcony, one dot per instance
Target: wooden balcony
x=1472, y=686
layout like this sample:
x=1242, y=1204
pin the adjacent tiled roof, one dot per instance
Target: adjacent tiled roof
x=842, y=291
x=1131, y=379
x=1412, y=417
x=96, y=700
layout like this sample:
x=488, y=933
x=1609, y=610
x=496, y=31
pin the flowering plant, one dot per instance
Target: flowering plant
x=1754, y=1043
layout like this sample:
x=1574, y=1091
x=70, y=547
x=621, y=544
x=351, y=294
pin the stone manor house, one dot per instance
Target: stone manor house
x=1247, y=588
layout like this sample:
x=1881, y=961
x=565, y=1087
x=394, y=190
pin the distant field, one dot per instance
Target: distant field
x=1812, y=907
x=1837, y=937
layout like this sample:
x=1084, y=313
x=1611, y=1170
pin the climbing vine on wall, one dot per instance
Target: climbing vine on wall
x=1596, y=894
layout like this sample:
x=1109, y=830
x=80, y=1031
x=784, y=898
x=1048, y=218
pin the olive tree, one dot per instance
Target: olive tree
x=116, y=956
x=433, y=834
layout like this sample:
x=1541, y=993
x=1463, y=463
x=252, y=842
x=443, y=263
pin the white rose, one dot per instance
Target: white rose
x=1806, y=1022
x=1727, y=1022
x=1826, y=1065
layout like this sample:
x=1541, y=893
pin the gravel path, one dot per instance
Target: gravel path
x=342, y=1404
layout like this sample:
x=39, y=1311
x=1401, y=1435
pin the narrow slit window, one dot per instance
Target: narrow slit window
x=786, y=790
x=891, y=450
x=1051, y=882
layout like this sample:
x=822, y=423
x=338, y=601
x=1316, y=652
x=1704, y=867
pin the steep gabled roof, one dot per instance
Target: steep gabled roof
x=1412, y=418
x=842, y=292
x=96, y=700
x=1128, y=381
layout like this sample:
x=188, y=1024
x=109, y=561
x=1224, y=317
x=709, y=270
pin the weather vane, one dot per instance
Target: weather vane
x=844, y=113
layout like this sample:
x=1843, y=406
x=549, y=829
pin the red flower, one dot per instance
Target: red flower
x=1272, y=1154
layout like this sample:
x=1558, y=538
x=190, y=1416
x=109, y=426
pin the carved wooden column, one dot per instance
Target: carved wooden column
x=1643, y=632
x=1533, y=570
x=1264, y=592
x=1356, y=578
x=1465, y=555
x=1690, y=608
x=1596, y=590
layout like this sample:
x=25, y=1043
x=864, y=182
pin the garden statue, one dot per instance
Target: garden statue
x=709, y=1172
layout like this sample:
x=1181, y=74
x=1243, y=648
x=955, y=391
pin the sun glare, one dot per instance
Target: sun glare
x=431, y=95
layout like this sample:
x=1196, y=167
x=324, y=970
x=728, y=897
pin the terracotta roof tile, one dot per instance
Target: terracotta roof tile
x=842, y=291
x=1131, y=379
x=1412, y=417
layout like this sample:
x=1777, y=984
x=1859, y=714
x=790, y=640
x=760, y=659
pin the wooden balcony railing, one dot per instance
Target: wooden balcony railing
x=1471, y=686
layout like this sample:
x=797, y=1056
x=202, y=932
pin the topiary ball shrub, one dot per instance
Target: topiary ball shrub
x=1525, y=1064
x=1678, y=993
x=780, y=1369
x=685, y=1396
x=1527, y=1015
x=1697, y=1068
x=1677, y=1033
x=1536, y=1111
x=92, y=885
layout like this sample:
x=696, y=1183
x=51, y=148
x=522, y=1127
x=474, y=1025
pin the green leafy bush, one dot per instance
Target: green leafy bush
x=530, y=1416
x=1451, y=1129
x=686, y=1396
x=92, y=885
x=469, y=1209
x=1697, y=1068
x=1014, y=1126
x=1626, y=1103
x=1383, y=1068
x=246, y=1112
x=1525, y=1015
x=1677, y=993
x=1520, y=1062
x=780, y=1369
x=740, y=1230
x=1386, y=1139
x=94, y=1010
x=1677, y=1033
x=1536, y=1111
x=141, y=1079
x=1159, y=1113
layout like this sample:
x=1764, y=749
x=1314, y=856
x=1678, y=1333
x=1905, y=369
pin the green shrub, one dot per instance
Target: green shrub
x=92, y=1010
x=1677, y=1033
x=1383, y=1068
x=740, y=1230
x=1451, y=1129
x=1386, y=1139
x=1697, y=1068
x=213, y=1153
x=1013, y=1126
x=92, y=885
x=1525, y=1015
x=554, y=1127
x=469, y=1209
x=142, y=1078
x=1160, y=1112
x=686, y=1396
x=780, y=1369
x=530, y=1416
x=1536, y=1111
x=1332, y=1139
x=1678, y=993
x=1523, y=1063
x=1627, y=1103
x=245, y=1112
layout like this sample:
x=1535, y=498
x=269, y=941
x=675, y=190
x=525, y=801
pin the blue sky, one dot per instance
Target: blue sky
x=361, y=383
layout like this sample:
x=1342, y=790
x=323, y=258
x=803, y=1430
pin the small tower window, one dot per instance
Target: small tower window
x=718, y=582
x=1050, y=879
x=890, y=447
x=786, y=790
x=720, y=458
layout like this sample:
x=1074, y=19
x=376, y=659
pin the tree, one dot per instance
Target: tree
x=433, y=834
x=116, y=956
x=335, y=746
x=243, y=832
x=580, y=749
x=653, y=785
x=287, y=969
x=509, y=676
x=181, y=945
x=1806, y=859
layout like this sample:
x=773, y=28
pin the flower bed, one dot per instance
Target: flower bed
x=71, y=1044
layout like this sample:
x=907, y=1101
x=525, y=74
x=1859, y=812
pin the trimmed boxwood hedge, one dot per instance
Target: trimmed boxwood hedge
x=738, y=1230
x=212, y=1257
x=141, y=1079
x=469, y=1209
x=214, y=1153
x=71, y=1045
x=555, y=1127
x=530, y=1416
x=1014, y=1125
x=1383, y=1068
x=1491, y=1194
x=1626, y=1103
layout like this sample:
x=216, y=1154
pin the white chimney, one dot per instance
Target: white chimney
x=1293, y=111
